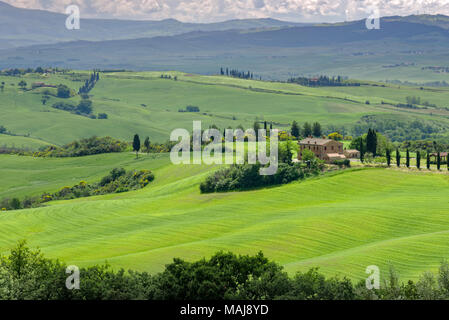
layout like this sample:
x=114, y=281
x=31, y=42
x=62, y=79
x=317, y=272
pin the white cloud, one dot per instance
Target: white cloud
x=218, y=10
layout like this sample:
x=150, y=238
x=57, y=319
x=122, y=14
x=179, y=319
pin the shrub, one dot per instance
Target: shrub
x=84, y=147
x=118, y=180
x=247, y=176
x=343, y=163
x=102, y=116
x=63, y=91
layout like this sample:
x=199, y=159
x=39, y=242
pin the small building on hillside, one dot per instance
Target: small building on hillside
x=331, y=157
x=352, y=153
x=322, y=148
x=443, y=156
x=35, y=85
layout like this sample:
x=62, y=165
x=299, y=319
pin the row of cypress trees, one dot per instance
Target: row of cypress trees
x=418, y=159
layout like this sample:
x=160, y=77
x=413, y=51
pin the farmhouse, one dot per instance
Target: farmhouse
x=324, y=149
x=41, y=85
x=351, y=153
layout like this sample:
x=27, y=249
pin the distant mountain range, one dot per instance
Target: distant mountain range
x=271, y=48
x=23, y=27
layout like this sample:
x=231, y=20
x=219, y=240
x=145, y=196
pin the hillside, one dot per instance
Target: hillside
x=328, y=222
x=146, y=104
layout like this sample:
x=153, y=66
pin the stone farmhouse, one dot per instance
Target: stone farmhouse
x=324, y=149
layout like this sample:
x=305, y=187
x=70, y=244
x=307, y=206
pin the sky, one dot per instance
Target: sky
x=219, y=10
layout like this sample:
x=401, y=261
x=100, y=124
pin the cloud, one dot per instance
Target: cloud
x=218, y=10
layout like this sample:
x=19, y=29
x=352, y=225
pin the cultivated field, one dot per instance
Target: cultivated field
x=340, y=222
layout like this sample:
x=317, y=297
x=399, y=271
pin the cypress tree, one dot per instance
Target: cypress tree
x=388, y=157
x=307, y=130
x=256, y=128
x=428, y=160
x=146, y=143
x=398, y=158
x=361, y=150
x=316, y=129
x=418, y=159
x=407, y=159
x=136, y=144
x=371, y=141
x=295, y=129
x=438, y=160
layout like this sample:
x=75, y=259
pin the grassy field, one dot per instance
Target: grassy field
x=340, y=222
x=21, y=142
x=142, y=102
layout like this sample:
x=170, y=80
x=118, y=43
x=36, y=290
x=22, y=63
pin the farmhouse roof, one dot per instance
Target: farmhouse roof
x=352, y=150
x=314, y=141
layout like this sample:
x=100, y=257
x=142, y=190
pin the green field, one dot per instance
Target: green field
x=340, y=222
x=142, y=102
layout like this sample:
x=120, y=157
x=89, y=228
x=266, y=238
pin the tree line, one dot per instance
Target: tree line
x=322, y=81
x=89, y=84
x=306, y=130
x=26, y=274
x=236, y=73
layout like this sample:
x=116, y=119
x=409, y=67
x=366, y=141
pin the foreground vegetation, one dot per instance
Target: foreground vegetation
x=26, y=274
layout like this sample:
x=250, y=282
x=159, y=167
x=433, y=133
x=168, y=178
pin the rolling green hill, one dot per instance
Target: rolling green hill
x=142, y=102
x=340, y=222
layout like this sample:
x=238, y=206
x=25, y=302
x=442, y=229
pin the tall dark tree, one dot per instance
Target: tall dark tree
x=388, y=153
x=418, y=159
x=428, y=161
x=146, y=143
x=371, y=141
x=398, y=158
x=136, y=145
x=295, y=129
x=361, y=150
x=256, y=128
x=407, y=158
x=438, y=160
x=316, y=129
x=307, y=130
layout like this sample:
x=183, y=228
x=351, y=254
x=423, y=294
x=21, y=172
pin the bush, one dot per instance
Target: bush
x=247, y=176
x=102, y=116
x=117, y=181
x=84, y=147
x=63, y=91
x=190, y=109
x=343, y=163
